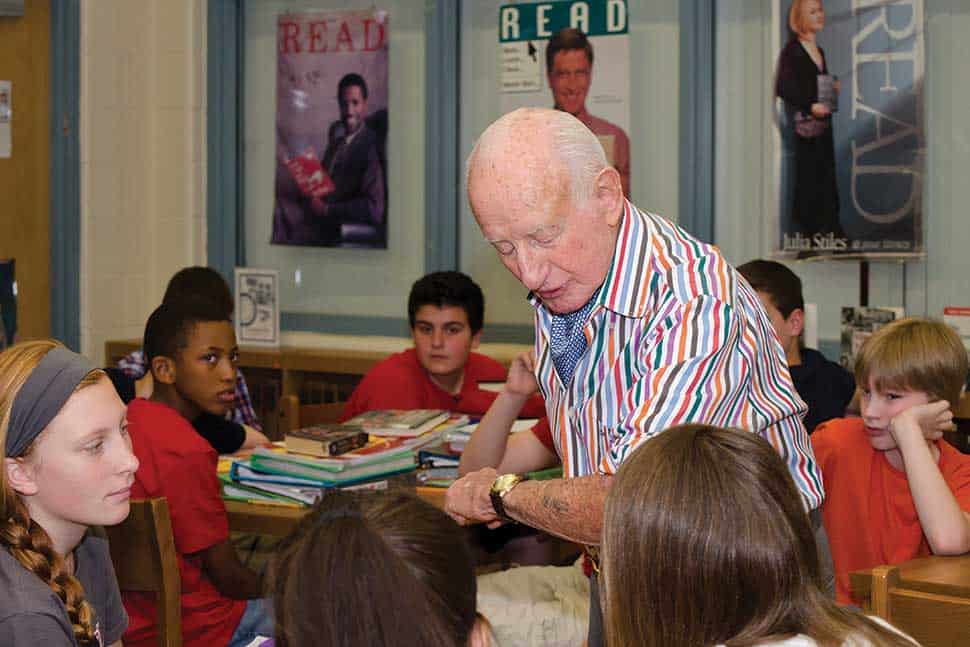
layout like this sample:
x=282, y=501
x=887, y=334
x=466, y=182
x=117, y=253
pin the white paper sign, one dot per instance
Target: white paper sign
x=6, y=115
x=257, y=307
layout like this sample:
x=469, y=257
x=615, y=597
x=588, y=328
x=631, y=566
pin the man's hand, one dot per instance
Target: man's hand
x=522, y=378
x=467, y=501
x=930, y=420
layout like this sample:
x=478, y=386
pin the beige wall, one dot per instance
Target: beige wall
x=142, y=137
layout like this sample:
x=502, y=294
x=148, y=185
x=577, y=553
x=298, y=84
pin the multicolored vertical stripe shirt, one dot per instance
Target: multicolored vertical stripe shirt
x=675, y=336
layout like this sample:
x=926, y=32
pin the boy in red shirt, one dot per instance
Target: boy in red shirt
x=894, y=490
x=446, y=311
x=191, y=351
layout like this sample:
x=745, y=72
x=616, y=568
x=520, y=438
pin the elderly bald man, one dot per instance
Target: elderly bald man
x=638, y=326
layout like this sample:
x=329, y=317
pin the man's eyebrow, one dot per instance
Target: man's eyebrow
x=546, y=229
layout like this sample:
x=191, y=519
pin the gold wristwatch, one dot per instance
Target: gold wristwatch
x=502, y=486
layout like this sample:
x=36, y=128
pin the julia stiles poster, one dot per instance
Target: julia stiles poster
x=851, y=127
x=331, y=129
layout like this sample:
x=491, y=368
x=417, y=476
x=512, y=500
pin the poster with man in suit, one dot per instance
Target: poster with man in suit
x=331, y=120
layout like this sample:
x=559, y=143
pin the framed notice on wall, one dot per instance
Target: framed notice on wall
x=257, y=307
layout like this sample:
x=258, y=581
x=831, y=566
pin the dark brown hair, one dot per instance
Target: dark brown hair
x=916, y=354
x=706, y=541
x=566, y=39
x=777, y=281
x=201, y=283
x=378, y=569
x=26, y=540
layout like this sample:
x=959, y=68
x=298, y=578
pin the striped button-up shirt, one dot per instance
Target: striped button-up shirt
x=675, y=336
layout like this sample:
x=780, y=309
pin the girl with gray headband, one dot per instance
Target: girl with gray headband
x=67, y=465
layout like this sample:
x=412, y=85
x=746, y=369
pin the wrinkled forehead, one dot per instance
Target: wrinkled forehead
x=514, y=174
x=517, y=198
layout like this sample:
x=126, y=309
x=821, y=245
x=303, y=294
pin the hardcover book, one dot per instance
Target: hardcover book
x=309, y=175
x=405, y=423
x=325, y=440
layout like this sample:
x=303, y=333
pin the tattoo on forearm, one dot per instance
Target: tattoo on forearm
x=570, y=508
x=554, y=504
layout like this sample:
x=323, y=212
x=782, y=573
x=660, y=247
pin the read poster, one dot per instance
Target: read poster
x=573, y=55
x=848, y=87
x=331, y=129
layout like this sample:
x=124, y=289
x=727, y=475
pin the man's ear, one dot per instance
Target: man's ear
x=163, y=369
x=608, y=194
x=795, y=322
x=476, y=339
x=21, y=476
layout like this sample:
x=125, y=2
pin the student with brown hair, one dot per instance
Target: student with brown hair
x=377, y=569
x=67, y=465
x=706, y=542
x=826, y=387
x=890, y=468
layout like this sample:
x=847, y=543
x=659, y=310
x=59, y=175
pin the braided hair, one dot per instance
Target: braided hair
x=23, y=537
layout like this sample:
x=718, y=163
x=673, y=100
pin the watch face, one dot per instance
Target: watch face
x=506, y=481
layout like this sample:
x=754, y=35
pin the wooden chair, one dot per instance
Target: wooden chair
x=144, y=558
x=933, y=610
x=294, y=415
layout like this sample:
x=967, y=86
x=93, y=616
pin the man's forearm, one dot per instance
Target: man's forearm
x=568, y=508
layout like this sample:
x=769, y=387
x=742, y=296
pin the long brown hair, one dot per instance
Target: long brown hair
x=706, y=541
x=27, y=542
x=380, y=569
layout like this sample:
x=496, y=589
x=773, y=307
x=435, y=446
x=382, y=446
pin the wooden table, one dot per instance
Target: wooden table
x=278, y=521
x=928, y=598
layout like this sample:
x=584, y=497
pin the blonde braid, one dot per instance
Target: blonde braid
x=30, y=545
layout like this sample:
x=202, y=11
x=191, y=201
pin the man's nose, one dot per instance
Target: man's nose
x=437, y=338
x=532, y=272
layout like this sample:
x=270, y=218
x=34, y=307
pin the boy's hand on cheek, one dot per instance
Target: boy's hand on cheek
x=930, y=420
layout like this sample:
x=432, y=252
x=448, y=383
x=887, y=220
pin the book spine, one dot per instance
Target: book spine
x=346, y=444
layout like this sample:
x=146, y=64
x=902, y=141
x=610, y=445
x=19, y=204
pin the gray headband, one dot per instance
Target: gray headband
x=46, y=390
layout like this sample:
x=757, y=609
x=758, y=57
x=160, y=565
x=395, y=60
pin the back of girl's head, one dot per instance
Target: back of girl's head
x=27, y=542
x=381, y=569
x=706, y=541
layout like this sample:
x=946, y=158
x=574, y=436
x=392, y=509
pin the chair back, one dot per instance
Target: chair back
x=144, y=558
x=935, y=618
x=294, y=415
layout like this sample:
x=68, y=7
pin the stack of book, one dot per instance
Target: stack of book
x=377, y=459
x=324, y=456
x=400, y=423
x=456, y=438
